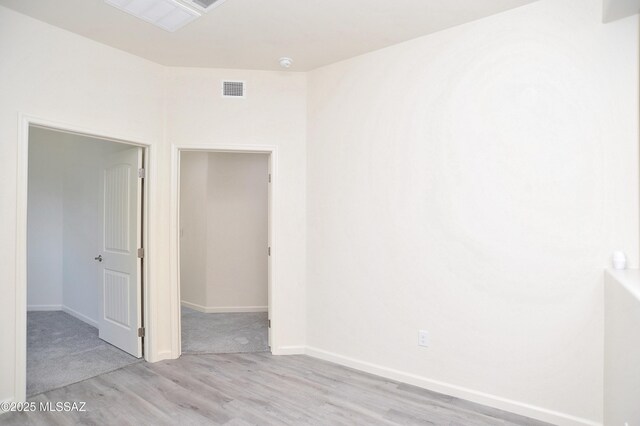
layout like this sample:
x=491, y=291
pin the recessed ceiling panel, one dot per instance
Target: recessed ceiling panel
x=166, y=14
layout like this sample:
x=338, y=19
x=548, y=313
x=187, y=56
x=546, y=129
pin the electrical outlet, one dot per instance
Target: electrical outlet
x=423, y=338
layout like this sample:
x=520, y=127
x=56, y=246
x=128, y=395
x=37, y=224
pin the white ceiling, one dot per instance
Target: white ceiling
x=253, y=34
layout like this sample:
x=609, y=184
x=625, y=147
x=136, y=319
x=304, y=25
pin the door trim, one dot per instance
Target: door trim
x=22, y=174
x=273, y=307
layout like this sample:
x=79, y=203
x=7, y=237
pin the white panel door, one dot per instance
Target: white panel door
x=120, y=313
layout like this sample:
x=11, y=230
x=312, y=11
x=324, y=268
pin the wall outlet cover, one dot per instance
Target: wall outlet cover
x=423, y=338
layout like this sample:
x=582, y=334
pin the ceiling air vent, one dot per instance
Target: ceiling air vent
x=205, y=5
x=169, y=15
x=233, y=89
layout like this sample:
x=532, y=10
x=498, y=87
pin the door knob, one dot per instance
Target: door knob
x=99, y=258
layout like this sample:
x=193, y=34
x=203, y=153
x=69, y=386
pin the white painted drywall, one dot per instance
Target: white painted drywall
x=61, y=77
x=224, y=228
x=193, y=227
x=237, y=231
x=622, y=347
x=82, y=239
x=45, y=220
x=473, y=183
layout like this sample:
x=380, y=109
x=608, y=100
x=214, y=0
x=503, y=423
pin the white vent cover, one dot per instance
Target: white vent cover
x=233, y=89
x=166, y=14
x=205, y=5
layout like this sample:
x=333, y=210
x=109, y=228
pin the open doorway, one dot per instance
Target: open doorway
x=84, y=266
x=224, y=251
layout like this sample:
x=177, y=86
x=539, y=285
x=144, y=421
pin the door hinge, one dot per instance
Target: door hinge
x=141, y=253
x=141, y=332
x=141, y=173
x=269, y=251
x=269, y=323
x=269, y=177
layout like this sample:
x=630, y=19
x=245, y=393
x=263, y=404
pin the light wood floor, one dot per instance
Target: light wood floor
x=255, y=389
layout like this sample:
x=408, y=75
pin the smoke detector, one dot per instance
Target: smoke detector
x=285, y=62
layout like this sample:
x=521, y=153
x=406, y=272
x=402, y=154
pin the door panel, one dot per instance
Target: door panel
x=117, y=301
x=117, y=209
x=120, y=313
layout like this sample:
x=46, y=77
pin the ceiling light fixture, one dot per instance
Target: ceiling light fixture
x=169, y=15
x=285, y=62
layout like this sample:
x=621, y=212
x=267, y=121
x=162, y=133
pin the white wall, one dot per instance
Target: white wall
x=237, y=231
x=193, y=227
x=473, y=183
x=61, y=77
x=622, y=348
x=224, y=228
x=45, y=219
x=82, y=233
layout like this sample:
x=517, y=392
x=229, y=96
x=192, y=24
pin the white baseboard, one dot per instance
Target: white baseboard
x=224, y=309
x=162, y=355
x=289, y=350
x=39, y=308
x=80, y=316
x=494, y=401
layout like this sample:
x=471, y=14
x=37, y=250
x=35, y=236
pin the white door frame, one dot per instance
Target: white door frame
x=176, y=325
x=24, y=122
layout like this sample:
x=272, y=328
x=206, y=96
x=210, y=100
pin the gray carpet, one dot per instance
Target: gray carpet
x=62, y=350
x=224, y=333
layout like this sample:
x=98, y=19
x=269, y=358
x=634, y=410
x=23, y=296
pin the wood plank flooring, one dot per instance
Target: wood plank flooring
x=255, y=389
